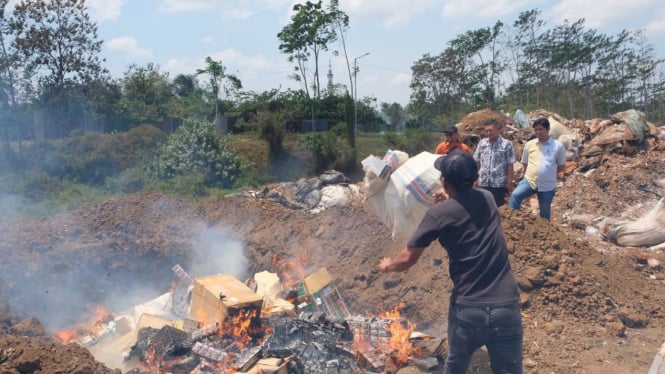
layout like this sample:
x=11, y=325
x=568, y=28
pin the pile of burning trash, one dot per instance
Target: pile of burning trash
x=218, y=324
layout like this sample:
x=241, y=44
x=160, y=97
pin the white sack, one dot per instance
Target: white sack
x=403, y=202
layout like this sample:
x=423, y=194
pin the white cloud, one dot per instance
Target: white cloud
x=105, y=10
x=232, y=57
x=611, y=12
x=239, y=13
x=392, y=14
x=234, y=61
x=481, y=8
x=177, y=66
x=208, y=39
x=241, y=9
x=128, y=46
x=400, y=79
x=656, y=26
x=177, y=6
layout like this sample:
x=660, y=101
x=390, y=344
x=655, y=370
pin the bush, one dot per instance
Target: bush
x=413, y=141
x=93, y=157
x=196, y=148
x=322, y=145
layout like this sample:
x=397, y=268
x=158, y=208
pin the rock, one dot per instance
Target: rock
x=524, y=284
x=529, y=363
x=616, y=329
x=632, y=318
x=535, y=275
x=554, y=328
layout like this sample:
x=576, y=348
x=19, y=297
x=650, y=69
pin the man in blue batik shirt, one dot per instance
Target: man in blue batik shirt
x=495, y=157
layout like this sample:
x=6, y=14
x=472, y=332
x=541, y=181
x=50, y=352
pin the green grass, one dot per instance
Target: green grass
x=31, y=184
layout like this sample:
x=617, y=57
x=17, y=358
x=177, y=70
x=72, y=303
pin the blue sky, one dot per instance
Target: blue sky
x=177, y=35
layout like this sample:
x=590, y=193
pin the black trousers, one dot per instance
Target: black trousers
x=499, y=194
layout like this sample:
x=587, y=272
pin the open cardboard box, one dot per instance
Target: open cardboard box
x=317, y=292
x=216, y=297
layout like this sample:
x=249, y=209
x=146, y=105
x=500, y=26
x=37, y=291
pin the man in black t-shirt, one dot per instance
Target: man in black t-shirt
x=484, y=303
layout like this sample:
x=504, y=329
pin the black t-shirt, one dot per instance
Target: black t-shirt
x=468, y=226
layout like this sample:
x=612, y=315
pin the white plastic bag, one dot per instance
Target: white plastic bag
x=402, y=204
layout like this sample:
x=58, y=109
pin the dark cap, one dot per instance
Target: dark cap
x=450, y=129
x=458, y=168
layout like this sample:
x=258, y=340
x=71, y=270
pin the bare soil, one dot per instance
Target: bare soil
x=589, y=306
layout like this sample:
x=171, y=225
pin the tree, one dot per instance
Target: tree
x=340, y=21
x=217, y=72
x=7, y=88
x=189, y=99
x=526, y=66
x=473, y=46
x=395, y=114
x=58, y=45
x=309, y=33
x=146, y=95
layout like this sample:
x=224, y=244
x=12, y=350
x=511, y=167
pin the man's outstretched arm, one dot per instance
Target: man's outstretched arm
x=404, y=260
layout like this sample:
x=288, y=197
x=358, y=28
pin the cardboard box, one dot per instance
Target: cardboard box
x=318, y=292
x=270, y=365
x=216, y=297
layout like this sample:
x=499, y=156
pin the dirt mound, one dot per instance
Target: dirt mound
x=22, y=354
x=589, y=306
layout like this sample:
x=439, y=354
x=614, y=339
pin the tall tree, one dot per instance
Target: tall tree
x=7, y=88
x=340, y=22
x=310, y=32
x=527, y=66
x=482, y=55
x=218, y=76
x=58, y=44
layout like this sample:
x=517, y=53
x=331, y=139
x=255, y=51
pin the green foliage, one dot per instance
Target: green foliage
x=93, y=157
x=322, y=145
x=129, y=181
x=310, y=31
x=184, y=185
x=147, y=94
x=197, y=149
x=340, y=130
x=412, y=141
x=217, y=72
x=272, y=131
x=37, y=193
x=346, y=160
x=59, y=49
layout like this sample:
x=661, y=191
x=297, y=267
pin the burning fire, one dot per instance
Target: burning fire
x=292, y=273
x=241, y=327
x=98, y=321
x=400, y=330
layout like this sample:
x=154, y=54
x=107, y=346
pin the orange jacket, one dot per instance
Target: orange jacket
x=445, y=147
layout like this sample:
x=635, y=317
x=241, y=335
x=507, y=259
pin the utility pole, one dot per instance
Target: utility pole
x=355, y=92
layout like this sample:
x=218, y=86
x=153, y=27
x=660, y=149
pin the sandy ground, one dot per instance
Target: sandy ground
x=590, y=306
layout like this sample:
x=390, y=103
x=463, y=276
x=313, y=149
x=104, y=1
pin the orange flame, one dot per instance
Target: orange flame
x=65, y=336
x=292, y=273
x=400, y=330
x=93, y=325
x=241, y=327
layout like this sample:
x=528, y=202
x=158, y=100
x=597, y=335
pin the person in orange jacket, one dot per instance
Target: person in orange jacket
x=451, y=142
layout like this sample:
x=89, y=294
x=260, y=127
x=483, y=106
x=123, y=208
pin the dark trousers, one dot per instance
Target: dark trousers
x=499, y=194
x=497, y=328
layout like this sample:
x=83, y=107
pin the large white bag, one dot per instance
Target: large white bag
x=402, y=202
